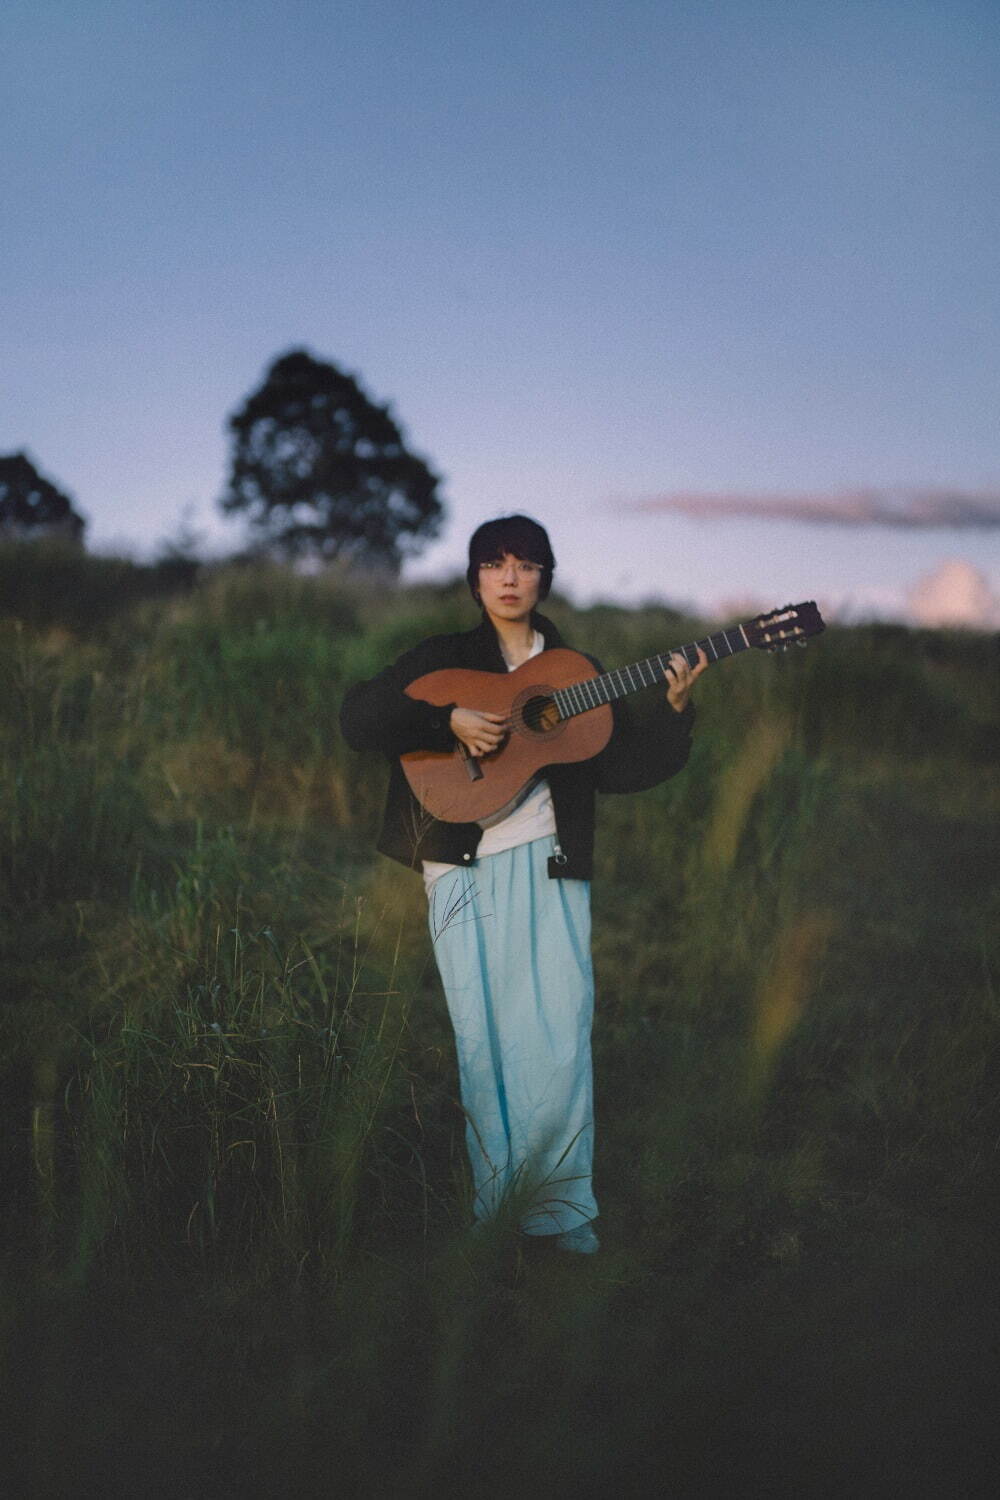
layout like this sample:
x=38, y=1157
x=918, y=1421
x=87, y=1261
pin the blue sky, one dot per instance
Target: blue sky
x=593, y=253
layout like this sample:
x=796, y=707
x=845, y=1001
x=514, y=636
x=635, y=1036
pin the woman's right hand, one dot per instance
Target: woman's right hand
x=481, y=734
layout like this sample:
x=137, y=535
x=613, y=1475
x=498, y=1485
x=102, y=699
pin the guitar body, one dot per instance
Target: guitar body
x=458, y=788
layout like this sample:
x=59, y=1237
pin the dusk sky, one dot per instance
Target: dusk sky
x=641, y=269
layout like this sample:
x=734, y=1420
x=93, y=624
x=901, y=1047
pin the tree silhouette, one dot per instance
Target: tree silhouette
x=320, y=470
x=31, y=506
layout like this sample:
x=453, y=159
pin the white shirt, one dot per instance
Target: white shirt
x=531, y=819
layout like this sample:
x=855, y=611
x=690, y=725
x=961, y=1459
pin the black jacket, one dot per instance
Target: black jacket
x=378, y=715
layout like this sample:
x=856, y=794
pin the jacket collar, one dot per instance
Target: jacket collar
x=487, y=642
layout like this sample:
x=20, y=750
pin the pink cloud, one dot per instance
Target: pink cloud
x=954, y=594
x=909, y=509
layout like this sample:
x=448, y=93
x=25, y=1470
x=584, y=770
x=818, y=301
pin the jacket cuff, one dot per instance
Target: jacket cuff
x=430, y=724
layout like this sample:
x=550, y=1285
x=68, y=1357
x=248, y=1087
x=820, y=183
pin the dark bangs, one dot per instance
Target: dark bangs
x=521, y=537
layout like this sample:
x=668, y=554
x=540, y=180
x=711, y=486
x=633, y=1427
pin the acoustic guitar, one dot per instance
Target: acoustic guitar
x=556, y=708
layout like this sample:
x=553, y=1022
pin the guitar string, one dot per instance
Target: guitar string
x=581, y=696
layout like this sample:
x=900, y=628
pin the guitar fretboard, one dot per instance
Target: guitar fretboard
x=579, y=697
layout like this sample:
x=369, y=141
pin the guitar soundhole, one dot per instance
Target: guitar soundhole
x=538, y=714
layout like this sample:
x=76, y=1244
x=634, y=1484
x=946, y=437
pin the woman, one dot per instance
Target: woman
x=509, y=904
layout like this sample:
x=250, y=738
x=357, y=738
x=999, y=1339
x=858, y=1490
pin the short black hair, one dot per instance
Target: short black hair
x=521, y=537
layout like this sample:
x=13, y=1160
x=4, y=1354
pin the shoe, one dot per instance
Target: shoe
x=582, y=1240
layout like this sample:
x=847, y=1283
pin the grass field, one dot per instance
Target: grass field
x=235, y=1257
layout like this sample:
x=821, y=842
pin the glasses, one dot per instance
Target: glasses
x=525, y=569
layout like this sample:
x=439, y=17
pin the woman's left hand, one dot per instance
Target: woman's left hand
x=681, y=678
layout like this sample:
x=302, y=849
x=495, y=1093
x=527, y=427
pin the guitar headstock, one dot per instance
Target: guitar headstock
x=789, y=626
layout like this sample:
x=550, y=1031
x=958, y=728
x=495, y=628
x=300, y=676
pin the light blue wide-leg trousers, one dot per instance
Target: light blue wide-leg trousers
x=513, y=950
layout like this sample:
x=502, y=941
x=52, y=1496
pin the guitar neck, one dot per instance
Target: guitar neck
x=580, y=697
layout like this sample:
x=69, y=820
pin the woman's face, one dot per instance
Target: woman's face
x=508, y=587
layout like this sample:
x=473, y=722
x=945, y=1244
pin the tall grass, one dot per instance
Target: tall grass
x=229, y=1119
x=226, y=1063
